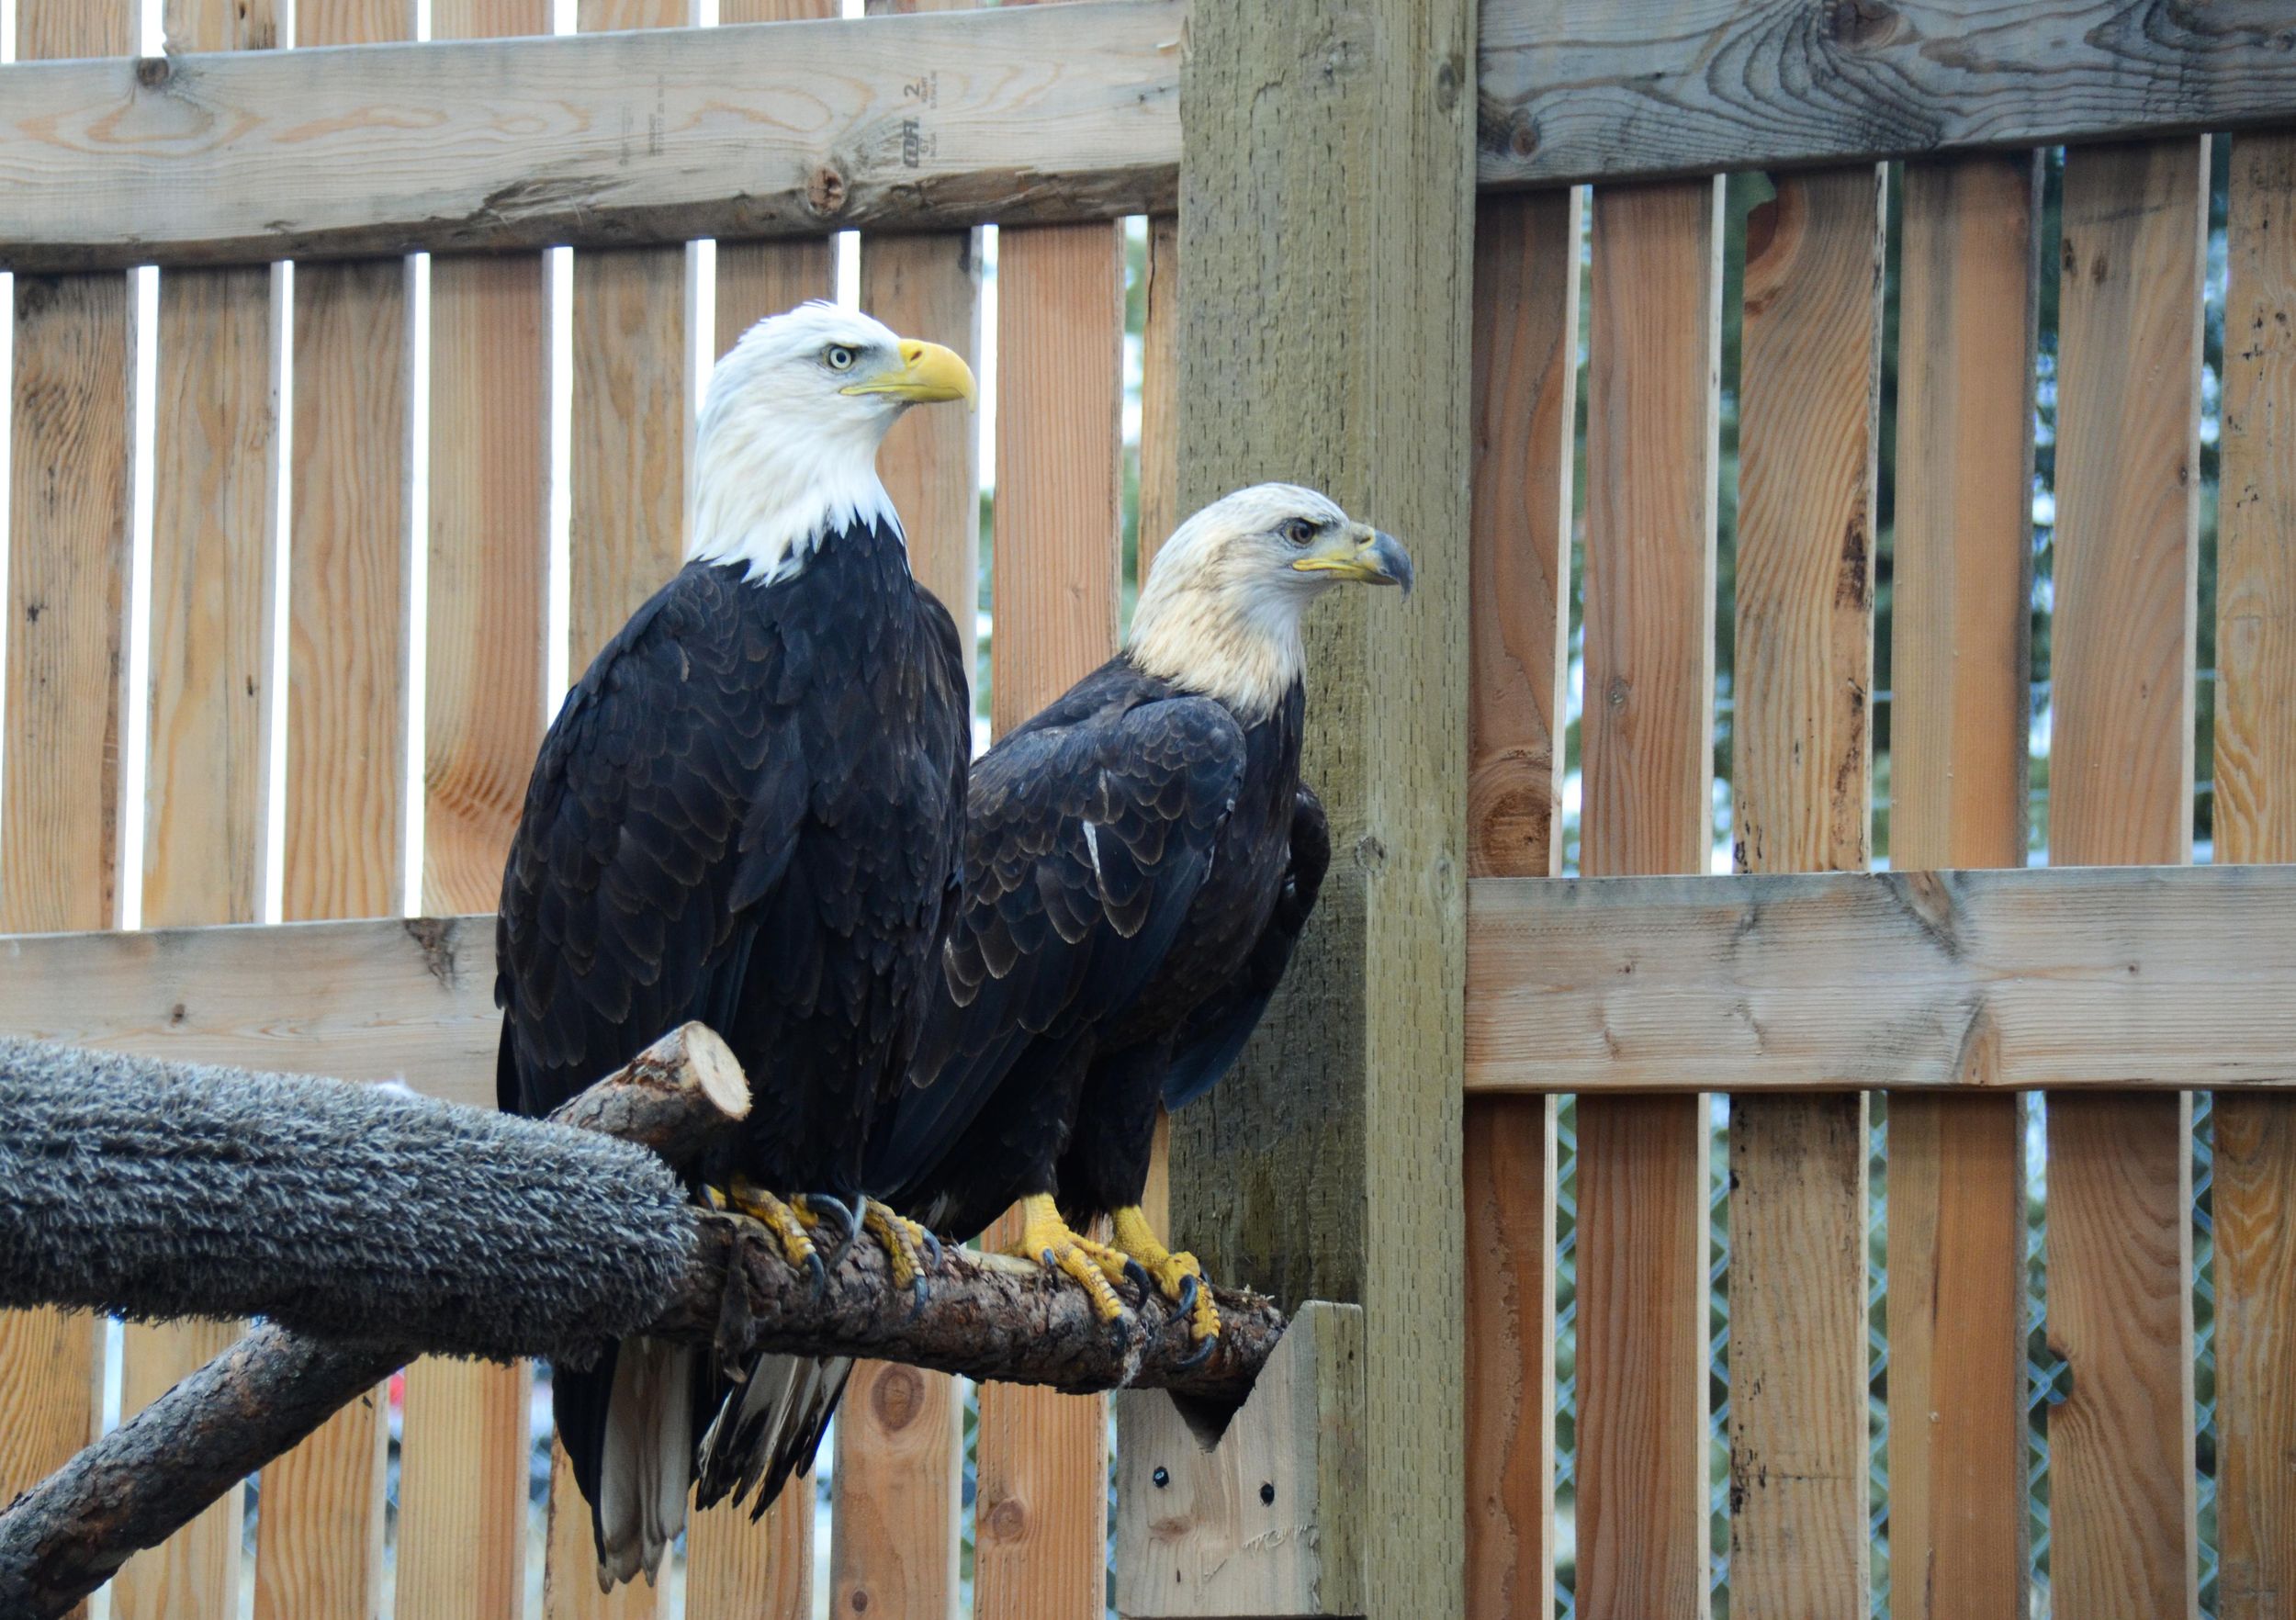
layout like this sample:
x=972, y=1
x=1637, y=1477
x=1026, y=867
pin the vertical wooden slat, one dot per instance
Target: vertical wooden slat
x=900, y=1430
x=1967, y=301
x=67, y=598
x=736, y=1566
x=1526, y=340
x=462, y=1485
x=214, y=523
x=1809, y=396
x=320, y=1519
x=1041, y=1531
x=1159, y=400
x=2256, y=820
x=2122, y=1493
x=633, y=412
x=1654, y=356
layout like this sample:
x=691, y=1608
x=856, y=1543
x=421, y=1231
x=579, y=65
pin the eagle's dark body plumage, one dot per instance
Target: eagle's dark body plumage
x=1139, y=861
x=746, y=814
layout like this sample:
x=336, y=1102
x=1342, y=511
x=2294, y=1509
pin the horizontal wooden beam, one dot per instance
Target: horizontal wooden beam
x=2104, y=977
x=404, y=999
x=765, y=129
x=1574, y=90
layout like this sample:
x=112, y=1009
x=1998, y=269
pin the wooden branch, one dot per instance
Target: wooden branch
x=615, y=138
x=1604, y=92
x=2161, y=978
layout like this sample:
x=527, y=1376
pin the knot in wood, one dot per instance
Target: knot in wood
x=154, y=72
x=1862, y=25
x=1007, y=1520
x=897, y=1397
x=826, y=191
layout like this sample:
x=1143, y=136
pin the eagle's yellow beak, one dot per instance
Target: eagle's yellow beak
x=1360, y=554
x=928, y=375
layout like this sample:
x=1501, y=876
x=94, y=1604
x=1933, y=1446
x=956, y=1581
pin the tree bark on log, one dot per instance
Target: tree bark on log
x=723, y=1281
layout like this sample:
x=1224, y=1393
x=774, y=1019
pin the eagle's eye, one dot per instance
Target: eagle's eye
x=1297, y=531
x=838, y=357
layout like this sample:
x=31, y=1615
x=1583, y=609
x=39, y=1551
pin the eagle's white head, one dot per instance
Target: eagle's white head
x=1221, y=611
x=787, y=450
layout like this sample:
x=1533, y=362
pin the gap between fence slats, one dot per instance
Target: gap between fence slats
x=894, y=1547
x=319, y=1533
x=1041, y=1524
x=1652, y=411
x=2121, y=1466
x=1526, y=347
x=2256, y=820
x=67, y=603
x=633, y=409
x=214, y=523
x=1809, y=394
x=463, y=1469
x=1967, y=302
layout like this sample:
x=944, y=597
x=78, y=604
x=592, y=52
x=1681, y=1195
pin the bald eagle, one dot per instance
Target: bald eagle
x=1139, y=858
x=748, y=813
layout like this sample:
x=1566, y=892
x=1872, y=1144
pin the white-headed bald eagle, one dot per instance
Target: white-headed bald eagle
x=747, y=813
x=1139, y=858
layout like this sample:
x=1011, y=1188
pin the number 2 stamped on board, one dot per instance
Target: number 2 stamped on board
x=919, y=95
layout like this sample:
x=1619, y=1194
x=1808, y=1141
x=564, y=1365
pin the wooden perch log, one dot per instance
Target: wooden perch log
x=76, y=1118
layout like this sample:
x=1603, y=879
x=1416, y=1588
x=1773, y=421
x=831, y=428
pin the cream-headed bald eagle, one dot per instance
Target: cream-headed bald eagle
x=747, y=813
x=1139, y=858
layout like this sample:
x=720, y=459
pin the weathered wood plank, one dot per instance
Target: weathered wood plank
x=391, y=998
x=2121, y=978
x=1159, y=382
x=214, y=520
x=900, y=1432
x=1525, y=347
x=1654, y=353
x=463, y=1463
x=1584, y=90
x=1809, y=403
x=762, y=130
x=2122, y=1485
x=1968, y=295
x=759, y=278
x=1041, y=1530
x=66, y=606
x=319, y=1535
x=2256, y=820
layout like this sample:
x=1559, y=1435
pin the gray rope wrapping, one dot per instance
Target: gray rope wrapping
x=156, y=1190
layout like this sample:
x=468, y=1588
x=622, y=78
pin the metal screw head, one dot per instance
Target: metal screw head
x=1268, y=1494
x=1161, y=1478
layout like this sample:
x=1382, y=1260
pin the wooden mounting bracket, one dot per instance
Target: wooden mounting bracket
x=1257, y=1515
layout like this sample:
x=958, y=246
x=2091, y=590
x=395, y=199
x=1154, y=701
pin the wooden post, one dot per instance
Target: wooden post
x=1326, y=216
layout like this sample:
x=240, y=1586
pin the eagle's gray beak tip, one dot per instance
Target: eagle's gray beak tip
x=1393, y=561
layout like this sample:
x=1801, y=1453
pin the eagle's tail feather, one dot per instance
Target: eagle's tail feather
x=627, y=1425
x=768, y=1428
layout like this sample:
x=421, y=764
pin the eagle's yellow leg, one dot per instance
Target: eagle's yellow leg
x=910, y=1249
x=1171, y=1273
x=1045, y=1237
x=790, y=1224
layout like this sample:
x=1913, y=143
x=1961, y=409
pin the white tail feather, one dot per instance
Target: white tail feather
x=647, y=1463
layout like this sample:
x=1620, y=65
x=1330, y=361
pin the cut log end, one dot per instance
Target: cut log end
x=717, y=1074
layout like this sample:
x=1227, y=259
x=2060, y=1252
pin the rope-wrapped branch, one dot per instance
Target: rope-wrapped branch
x=156, y=1190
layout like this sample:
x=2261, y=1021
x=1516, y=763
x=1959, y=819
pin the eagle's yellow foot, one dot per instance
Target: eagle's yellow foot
x=911, y=1250
x=791, y=1226
x=1179, y=1278
x=1044, y=1236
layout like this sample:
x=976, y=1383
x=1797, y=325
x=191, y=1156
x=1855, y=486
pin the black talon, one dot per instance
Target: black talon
x=1138, y=1273
x=1187, y=1294
x=932, y=1245
x=1201, y=1354
x=820, y=1204
x=916, y=1295
x=820, y=1275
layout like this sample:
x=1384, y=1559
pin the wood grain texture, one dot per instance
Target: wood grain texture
x=1040, y=1525
x=320, y=1533
x=1654, y=353
x=382, y=999
x=1968, y=298
x=1809, y=404
x=758, y=131
x=1159, y=399
x=1525, y=347
x=569, y=1590
x=900, y=1430
x=67, y=594
x=2256, y=820
x=2124, y=978
x=759, y=278
x=2122, y=1497
x=1582, y=90
x=214, y=524
x=1326, y=337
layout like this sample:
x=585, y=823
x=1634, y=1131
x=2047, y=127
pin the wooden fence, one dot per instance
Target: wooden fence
x=1334, y=304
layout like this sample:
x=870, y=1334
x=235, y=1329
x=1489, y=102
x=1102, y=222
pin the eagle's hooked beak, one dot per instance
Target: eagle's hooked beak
x=1366, y=556
x=928, y=374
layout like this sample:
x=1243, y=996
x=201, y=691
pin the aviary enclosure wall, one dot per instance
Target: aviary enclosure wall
x=1607, y=425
